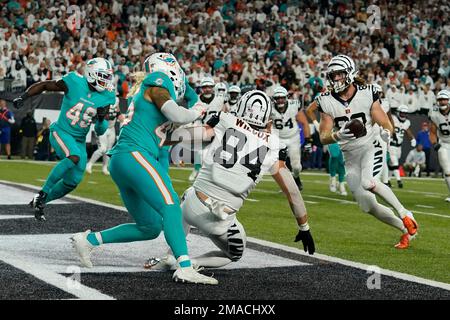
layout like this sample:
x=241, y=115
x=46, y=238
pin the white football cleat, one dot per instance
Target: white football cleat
x=333, y=184
x=89, y=168
x=447, y=199
x=164, y=264
x=193, y=175
x=105, y=171
x=189, y=275
x=83, y=248
x=342, y=190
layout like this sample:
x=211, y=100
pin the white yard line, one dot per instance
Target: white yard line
x=353, y=264
x=13, y=216
x=423, y=206
x=52, y=278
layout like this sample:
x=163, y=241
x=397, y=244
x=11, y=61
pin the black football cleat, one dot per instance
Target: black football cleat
x=299, y=183
x=389, y=184
x=38, y=204
x=400, y=184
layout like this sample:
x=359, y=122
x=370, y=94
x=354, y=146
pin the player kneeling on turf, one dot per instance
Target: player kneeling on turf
x=241, y=151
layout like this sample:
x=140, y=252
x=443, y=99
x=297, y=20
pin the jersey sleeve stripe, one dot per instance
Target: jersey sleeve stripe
x=155, y=176
x=61, y=144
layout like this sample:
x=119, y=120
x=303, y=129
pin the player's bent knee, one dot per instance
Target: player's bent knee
x=74, y=159
x=368, y=184
x=151, y=231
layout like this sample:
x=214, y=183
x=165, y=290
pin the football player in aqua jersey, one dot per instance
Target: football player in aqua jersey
x=143, y=181
x=86, y=100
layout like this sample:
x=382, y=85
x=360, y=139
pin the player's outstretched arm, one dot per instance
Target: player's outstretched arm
x=38, y=88
x=311, y=113
x=433, y=137
x=380, y=117
x=411, y=137
x=301, y=118
x=283, y=177
x=169, y=108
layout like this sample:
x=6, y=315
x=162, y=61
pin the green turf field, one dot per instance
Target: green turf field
x=340, y=229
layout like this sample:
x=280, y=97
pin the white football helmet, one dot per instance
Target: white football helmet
x=341, y=64
x=279, y=97
x=220, y=88
x=255, y=108
x=167, y=64
x=377, y=88
x=99, y=74
x=234, y=93
x=402, y=112
x=207, y=87
x=442, y=96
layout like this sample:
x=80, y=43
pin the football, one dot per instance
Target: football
x=356, y=127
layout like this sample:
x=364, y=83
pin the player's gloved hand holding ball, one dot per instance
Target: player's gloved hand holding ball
x=344, y=134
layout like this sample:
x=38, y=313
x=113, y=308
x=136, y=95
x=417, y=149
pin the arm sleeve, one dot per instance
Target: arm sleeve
x=172, y=111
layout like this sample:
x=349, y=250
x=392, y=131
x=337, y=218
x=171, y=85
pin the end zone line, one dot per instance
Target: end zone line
x=387, y=272
x=54, y=279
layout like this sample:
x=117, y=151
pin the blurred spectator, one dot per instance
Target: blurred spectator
x=415, y=161
x=28, y=129
x=6, y=120
x=43, y=147
x=423, y=138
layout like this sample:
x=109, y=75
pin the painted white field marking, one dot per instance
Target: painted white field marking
x=251, y=200
x=80, y=291
x=319, y=256
x=353, y=264
x=13, y=216
x=92, y=182
x=423, y=206
x=178, y=180
x=41, y=180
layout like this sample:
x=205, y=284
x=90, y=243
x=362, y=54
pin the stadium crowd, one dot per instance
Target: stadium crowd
x=253, y=44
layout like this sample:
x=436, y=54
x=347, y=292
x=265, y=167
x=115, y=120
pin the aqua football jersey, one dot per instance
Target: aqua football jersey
x=80, y=105
x=145, y=126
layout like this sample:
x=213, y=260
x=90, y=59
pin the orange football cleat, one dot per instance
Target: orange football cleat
x=410, y=225
x=404, y=242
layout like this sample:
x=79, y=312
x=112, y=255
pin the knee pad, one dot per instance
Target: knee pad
x=367, y=184
x=236, y=241
x=102, y=148
x=74, y=159
x=73, y=178
x=151, y=231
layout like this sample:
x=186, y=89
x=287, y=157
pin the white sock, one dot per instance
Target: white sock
x=98, y=235
x=387, y=216
x=417, y=170
x=388, y=195
x=397, y=174
x=342, y=187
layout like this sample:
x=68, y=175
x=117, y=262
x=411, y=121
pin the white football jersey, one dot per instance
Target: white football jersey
x=442, y=123
x=358, y=107
x=285, y=123
x=212, y=108
x=386, y=108
x=400, y=129
x=231, y=108
x=235, y=161
x=113, y=113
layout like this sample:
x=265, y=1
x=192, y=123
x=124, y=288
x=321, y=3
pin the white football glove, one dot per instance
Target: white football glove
x=413, y=143
x=385, y=134
x=345, y=134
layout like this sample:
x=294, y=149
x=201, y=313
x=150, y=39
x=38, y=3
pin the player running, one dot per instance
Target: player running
x=402, y=125
x=143, y=182
x=440, y=133
x=86, y=100
x=106, y=140
x=346, y=101
x=241, y=152
x=286, y=115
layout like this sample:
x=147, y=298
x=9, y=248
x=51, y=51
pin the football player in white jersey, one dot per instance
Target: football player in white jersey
x=106, y=140
x=286, y=115
x=335, y=161
x=402, y=126
x=241, y=152
x=346, y=101
x=213, y=100
x=440, y=133
x=234, y=93
x=382, y=172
